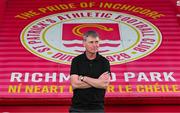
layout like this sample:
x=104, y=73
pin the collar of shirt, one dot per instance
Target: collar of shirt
x=96, y=59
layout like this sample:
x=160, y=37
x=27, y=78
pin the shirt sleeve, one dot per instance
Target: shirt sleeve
x=107, y=66
x=74, y=67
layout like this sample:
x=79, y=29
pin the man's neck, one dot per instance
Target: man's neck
x=90, y=56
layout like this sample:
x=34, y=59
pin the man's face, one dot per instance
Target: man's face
x=91, y=44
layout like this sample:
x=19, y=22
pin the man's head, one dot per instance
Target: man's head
x=91, y=41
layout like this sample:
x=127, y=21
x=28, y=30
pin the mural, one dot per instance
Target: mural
x=39, y=39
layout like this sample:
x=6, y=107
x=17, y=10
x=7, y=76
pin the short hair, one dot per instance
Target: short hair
x=90, y=33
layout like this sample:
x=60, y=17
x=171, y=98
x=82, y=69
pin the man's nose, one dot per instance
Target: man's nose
x=95, y=44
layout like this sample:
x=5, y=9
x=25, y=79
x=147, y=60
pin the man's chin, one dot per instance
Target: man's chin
x=94, y=52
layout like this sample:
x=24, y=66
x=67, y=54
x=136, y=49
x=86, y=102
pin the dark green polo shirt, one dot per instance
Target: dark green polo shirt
x=89, y=98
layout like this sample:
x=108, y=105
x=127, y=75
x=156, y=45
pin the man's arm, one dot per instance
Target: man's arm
x=78, y=84
x=102, y=82
x=74, y=78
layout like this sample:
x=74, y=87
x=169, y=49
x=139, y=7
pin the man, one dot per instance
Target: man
x=90, y=76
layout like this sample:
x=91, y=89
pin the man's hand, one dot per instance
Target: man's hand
x=105, y=76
